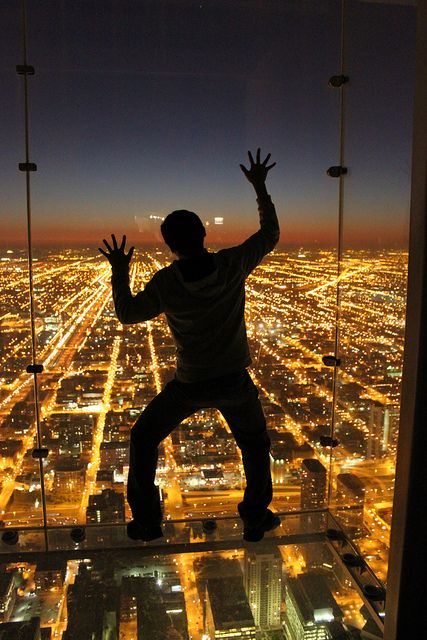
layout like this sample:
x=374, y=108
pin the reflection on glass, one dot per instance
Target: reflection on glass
x=128, y=123
x=133, y=114
x=99, y=375
x=374, y=269
x=20, y=495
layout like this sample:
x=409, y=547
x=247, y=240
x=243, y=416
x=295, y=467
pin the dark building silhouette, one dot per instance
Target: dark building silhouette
x=156, y=613
x=350, y=500
x=69, y=480
x=23, y=630
x=109, y=506
x=95, y=591
x=313, y=484
x=7, y=593
x=228, y=614
x=312, y=612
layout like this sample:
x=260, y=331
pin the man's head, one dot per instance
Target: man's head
x=183, y=232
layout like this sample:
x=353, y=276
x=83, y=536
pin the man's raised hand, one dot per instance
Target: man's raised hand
x=257, y=172
x=116, y=255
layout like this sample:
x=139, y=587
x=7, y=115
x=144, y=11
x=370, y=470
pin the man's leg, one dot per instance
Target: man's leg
x=247, y=423
x=156, y=422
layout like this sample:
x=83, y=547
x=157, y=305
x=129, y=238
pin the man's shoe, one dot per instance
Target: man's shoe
x=138, y=531
x=254, y=534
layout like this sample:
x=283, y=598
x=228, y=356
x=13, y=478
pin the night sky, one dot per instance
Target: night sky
x=138, y=108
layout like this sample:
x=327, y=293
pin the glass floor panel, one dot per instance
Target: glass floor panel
x=191, y=585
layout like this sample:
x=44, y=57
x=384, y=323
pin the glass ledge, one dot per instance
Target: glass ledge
x=371, y=589
x=176, y=533
x=188, y=587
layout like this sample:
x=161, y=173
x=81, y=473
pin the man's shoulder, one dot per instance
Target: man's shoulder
x=165, y=273
x=239, y=251
x=229, y=253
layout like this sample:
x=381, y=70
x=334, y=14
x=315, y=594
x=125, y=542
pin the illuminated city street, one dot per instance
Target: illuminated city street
x=291, y=322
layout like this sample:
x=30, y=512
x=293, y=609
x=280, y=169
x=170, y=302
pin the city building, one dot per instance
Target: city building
x=7, y=593
x=114, y=453
x=69, y=480
x=313, y=484
x=93, y=590
x=262, y=577
x=109, y=506
x=69, y=434
x=160, y=614
x=310, y=609
x=24, y=630
x=383, y=428
x=350, y=502
x=228, y=614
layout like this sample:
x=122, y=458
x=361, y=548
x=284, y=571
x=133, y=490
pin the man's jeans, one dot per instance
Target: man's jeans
x=236, y=397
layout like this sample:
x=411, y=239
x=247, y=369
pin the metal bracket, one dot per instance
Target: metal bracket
x=41, y=453
x=78, y=534
x=10, y=536
x=331, y=361
x=209, y=526
x=374, y=593
x=23, y=69
x=335, y=82
x=27, y=166
x=366, y=591
x=327, y=441
x=34, y=368
x=336, y=534
x=352, y=560
x=336, y=171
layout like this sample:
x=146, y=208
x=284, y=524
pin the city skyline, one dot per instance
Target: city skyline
x=99, y=375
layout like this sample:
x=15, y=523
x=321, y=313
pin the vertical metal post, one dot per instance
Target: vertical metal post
x=340, y=235
x=28, y=167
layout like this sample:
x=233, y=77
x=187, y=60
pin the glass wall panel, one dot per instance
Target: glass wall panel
x=139, y=108
x=379, y=52
x=20, y=499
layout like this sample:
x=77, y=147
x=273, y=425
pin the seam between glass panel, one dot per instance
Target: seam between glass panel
x=340, y=237
x=30, y=261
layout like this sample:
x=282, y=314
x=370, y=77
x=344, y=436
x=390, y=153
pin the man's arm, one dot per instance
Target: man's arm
x=130, y=309
x=252, y=251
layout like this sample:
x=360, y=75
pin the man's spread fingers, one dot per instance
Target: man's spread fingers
x=123, y=243
x=267, y=159
x=107, y=245
x=114, y=241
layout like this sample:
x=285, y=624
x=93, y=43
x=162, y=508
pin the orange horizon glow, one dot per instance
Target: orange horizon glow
x=294, y=234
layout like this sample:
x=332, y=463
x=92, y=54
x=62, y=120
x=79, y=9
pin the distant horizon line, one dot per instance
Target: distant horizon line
x=158, y=247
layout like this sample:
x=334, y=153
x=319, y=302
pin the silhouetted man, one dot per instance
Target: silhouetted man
x=202, y=295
